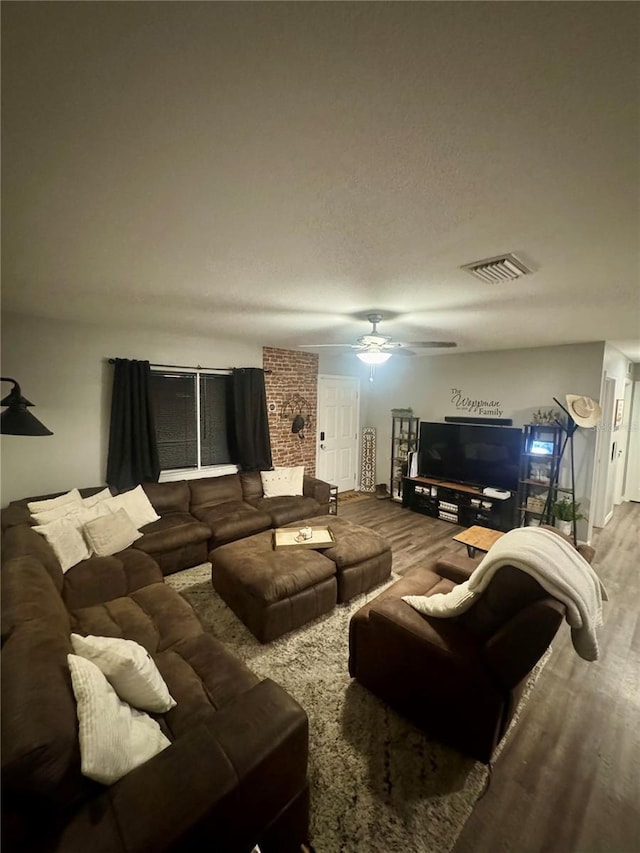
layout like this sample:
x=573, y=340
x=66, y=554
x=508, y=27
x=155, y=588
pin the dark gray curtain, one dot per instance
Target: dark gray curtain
x=249, y=421
x=133, y=451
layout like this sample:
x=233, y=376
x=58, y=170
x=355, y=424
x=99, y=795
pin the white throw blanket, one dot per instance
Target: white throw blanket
x=553, y=562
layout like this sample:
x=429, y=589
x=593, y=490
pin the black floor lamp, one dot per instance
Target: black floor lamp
x=581, y=412
x=16, y=419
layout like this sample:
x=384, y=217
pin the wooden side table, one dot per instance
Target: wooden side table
x=478, y=538
x=333, y=500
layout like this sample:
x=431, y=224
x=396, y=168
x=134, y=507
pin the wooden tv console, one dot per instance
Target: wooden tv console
x=457, y=503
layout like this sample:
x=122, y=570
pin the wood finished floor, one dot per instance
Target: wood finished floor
x=568, y=779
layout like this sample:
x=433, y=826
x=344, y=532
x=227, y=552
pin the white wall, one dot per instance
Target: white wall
x=521, y=381
x=63, y=369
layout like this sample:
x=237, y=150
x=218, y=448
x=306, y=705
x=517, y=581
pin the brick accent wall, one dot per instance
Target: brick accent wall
x=292, y=374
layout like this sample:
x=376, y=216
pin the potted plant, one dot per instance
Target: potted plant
x=565, y=513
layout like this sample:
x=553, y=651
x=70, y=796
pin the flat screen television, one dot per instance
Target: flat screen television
x=470, y=453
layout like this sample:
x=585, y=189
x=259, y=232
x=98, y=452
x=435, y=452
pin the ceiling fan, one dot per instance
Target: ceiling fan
x=375, y=348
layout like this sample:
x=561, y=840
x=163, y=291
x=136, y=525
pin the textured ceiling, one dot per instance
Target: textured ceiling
x=274, y=171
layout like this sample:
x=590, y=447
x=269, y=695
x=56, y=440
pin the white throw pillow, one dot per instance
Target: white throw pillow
x=110, y=533
x=282, y=481
x=63, y=511
x=40, y=506
x=88, y=513
x=66, y=540
x=114, y=738
x=77, y=513
x=130, y=670
x=43, y=512
x=91, y=501
x=138, y=506
x=297, y=479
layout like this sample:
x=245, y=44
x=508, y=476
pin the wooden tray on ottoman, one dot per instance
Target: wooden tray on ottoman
x=285, y=537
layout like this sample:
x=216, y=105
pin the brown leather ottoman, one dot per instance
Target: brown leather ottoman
x=273, y=592
x=362, y=557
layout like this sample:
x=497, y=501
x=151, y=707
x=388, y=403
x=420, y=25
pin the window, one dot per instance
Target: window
x=190, y=410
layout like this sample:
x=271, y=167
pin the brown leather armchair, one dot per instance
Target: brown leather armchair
x=460, y=679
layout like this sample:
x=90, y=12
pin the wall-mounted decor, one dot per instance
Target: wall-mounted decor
x=619, y=411
x=296, y=408
x=475, y=406
x=368, y=460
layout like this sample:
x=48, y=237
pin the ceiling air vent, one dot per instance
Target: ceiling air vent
x=501, y=268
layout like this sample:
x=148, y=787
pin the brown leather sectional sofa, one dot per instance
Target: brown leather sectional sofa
x=235, y=772
x=198, y=515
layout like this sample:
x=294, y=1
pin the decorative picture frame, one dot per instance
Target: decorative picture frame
x=619, y=410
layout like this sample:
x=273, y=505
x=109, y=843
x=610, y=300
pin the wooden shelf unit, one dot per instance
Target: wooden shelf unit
x=536, y=494
x=404, y=440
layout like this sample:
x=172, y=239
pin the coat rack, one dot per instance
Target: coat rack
x=588, y=419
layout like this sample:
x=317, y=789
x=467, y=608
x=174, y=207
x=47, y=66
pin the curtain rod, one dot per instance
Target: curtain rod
x=184, y=366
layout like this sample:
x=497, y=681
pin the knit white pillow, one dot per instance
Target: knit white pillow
x=138, y=506
x=92, y=500
x=110, y=533
x=66, y=540
x=51, y=503
x=114, y=737
x=63, y=511
x=130, y=670
x=78, y=513
x=72, y=503
x=297, y=479
x=282, y=481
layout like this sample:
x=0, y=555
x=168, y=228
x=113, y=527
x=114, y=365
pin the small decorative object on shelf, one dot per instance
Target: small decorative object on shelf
x=550, y=416
x=404, y=442
x=536, y=503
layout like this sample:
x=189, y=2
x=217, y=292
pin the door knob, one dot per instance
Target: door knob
x=322, y=447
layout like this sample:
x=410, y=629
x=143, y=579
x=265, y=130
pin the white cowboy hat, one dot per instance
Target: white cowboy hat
x=585, y=411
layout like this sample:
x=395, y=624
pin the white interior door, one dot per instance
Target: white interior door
x=338, y=429
x=623, y=443
x=632, y=479
x=606, y=457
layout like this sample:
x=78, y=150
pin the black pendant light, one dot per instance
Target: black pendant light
x=16, y=419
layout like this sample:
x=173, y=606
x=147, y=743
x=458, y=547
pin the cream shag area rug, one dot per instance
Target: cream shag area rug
x=377, y=782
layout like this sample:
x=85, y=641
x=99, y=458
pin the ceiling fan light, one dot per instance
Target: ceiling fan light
x=374, y=357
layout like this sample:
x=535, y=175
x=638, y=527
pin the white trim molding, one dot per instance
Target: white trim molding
x=177, y=474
